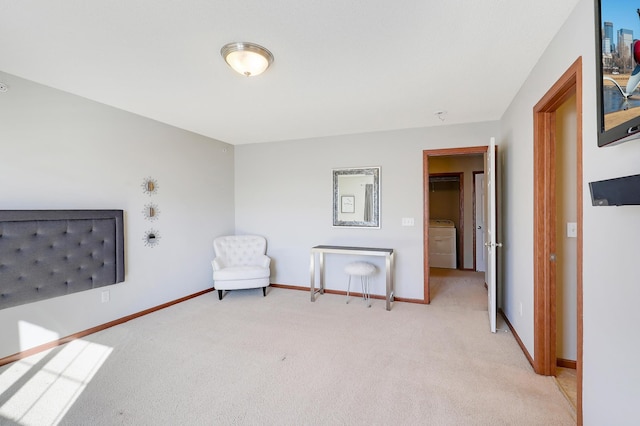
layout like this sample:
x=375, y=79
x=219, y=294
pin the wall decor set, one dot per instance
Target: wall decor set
x=150, y=212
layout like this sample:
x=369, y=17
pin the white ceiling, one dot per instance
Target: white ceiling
x=341, y=66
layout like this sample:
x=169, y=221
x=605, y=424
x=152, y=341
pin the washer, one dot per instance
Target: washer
x=442, y=244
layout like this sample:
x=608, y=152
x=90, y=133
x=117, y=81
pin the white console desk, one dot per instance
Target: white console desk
x=360, y=251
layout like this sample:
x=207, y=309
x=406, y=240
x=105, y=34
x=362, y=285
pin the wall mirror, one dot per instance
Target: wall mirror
x=356, y=197
x=149, y=186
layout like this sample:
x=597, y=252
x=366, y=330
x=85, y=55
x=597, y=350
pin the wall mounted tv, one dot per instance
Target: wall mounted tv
x=617, y=70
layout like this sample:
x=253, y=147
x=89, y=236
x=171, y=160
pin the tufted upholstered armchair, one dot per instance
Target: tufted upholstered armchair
x=240, y=262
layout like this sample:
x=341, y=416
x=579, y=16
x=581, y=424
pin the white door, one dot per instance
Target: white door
x=479, y=212
x=490, y=232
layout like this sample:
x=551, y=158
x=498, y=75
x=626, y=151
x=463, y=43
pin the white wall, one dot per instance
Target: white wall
x=283, y=191
x=60, y=151
x=611, y=234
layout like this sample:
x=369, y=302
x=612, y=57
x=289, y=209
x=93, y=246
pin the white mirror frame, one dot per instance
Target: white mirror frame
x=352, y=213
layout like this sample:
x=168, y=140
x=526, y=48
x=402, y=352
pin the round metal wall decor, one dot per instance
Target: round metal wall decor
x=151, y=238
x=150, y=186
x=151, y=211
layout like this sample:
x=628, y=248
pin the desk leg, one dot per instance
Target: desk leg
x=388, y=264
x=321, y=286
x=393, y=276
x=312, y=281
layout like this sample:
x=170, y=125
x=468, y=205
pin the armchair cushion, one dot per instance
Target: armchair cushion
x=247, y=272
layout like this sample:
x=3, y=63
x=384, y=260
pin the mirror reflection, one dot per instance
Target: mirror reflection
x=356, y=200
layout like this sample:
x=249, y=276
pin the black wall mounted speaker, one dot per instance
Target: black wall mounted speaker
x=622, y=191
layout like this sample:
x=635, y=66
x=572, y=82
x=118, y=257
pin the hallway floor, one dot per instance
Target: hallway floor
x=567, y=382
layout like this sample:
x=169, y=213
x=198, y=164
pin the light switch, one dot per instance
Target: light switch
x=407, y=221
x=572, y=230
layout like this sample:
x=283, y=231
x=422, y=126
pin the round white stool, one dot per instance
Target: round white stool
x=364, y=270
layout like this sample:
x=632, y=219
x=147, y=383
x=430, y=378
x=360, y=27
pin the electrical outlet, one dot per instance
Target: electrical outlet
x=408, y=221
x=104, y=296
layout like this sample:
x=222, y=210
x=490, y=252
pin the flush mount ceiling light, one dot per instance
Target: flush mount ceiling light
x=246, y=58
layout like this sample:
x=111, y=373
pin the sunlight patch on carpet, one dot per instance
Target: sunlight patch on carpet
x=45, y=393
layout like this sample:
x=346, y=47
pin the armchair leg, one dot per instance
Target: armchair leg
x=264, y=292
x=219, y=294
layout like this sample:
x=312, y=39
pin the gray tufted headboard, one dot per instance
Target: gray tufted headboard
x=50, y=253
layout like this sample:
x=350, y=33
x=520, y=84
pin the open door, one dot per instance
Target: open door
x=479, y=212
x=490, y=233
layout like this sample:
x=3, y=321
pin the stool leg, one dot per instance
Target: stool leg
x=348, y=287
x=368, y=293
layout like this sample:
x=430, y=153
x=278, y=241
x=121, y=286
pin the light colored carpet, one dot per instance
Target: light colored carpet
x=457, y=289
x=282, y=360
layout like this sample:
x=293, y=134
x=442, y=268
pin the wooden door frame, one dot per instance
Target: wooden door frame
x=544, y=121
x=425, y=196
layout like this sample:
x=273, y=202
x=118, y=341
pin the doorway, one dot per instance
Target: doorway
x=431, y=166
x=546, y=268
x=446, y=219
